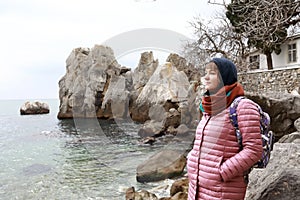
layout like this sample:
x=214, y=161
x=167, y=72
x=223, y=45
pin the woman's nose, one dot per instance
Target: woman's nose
x=206, y=77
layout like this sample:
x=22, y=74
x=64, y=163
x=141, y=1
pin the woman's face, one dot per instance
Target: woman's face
x=211, y=79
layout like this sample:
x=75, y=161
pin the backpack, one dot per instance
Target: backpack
x=266, y=134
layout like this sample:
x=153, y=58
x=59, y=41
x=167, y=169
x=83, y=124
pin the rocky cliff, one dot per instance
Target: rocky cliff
x=95, y=85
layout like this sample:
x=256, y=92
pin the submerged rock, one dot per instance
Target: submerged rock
x=36, y=107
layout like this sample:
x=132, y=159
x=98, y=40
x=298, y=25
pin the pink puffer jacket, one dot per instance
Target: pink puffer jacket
x=215, y=165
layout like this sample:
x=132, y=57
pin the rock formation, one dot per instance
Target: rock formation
x=283, y=111
x=36, y=107
x=83, y=89
x=95, y=85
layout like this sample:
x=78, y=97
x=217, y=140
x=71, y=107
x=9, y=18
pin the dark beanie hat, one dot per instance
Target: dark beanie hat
x=227, y=70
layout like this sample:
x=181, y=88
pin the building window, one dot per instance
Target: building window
x=254, y=62
x=292, y=52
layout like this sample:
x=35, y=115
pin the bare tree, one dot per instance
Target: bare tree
x=264, y=22
x=216, y=37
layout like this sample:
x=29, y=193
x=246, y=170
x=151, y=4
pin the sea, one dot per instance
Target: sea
x=42, y=157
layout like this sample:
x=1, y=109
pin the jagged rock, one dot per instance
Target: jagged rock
x=178, y=190
x=148, y=140
x=180, y=196
x=157, y=112
x=171, y=130
x=159, y=100
x=290, y=138
x=189, y=109
x=180, y=185
x=297, y=124
x=151, y=128
x=172, y=119
x=140, y=77
x=131, y=194
x=295, y=92
x=182, y=129
x=115, y=103
x=36, y=107
x=166, y=84
x=280, y=179
x=162, y=122
x=83, y=88
x=181, y=64
x=163, y=165
x=143, y=72
x=283, y=111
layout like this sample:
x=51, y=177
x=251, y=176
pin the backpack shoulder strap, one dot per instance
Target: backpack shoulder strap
x=233, y=118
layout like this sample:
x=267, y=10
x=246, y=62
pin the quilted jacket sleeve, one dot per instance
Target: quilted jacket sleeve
x=249, y=125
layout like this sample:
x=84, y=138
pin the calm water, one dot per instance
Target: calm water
x=42, y=157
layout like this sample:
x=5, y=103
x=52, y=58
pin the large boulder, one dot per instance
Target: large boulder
x=281, y=178
x=36, y=107
x=163, y=165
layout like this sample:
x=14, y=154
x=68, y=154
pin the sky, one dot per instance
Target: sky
x=37, y=36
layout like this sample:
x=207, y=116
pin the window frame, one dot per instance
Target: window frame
x=292, y=52
x=254, y=61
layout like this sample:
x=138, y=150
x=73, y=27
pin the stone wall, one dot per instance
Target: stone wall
x=277, y=80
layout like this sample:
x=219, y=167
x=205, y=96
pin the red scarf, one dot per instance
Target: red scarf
x=216, y=103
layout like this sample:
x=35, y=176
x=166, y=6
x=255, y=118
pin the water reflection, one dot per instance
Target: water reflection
x=67, y=126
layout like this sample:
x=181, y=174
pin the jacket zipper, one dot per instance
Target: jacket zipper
x=202, y=135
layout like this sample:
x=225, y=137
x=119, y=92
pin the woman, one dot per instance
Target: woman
x=215, y=165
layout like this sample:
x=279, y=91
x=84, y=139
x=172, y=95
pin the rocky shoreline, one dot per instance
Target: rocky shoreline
x=165, y=98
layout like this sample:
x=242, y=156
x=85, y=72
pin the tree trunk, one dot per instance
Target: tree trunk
x=269, y=60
